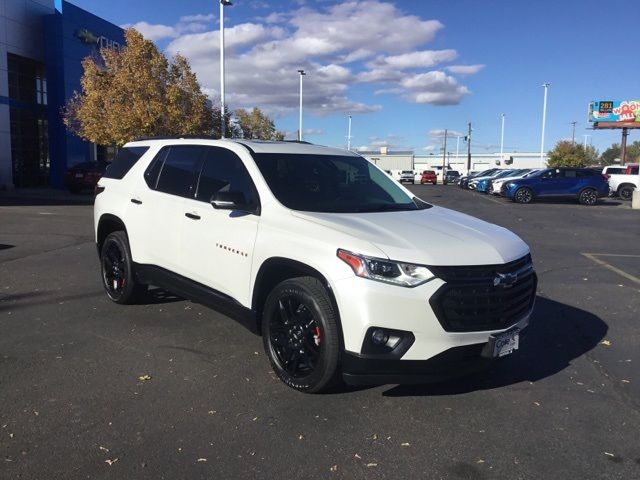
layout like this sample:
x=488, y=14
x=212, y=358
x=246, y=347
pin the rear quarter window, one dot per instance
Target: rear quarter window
x=125, y=159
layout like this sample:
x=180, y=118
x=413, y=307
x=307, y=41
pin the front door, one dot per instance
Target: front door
x=217, y=245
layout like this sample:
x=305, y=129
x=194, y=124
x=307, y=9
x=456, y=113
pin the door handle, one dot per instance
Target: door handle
x=192, y=216
x=137, y=201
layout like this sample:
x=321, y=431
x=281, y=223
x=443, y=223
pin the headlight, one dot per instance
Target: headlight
x=381, y=270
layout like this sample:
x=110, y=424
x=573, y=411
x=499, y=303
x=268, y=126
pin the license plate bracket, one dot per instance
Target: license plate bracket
x=502, y=344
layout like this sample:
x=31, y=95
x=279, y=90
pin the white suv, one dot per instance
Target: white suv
x=345, y=273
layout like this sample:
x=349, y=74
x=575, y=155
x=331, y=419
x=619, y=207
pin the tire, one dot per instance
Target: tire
x=413, y=182
x=625, y=192
x=301, y=336
x=523, y=195
x=588, y=196
x=118, y=277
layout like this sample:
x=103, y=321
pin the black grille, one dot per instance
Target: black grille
x=470, y=302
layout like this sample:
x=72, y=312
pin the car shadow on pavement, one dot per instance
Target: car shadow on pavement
x=156, y=296
x=557, y=334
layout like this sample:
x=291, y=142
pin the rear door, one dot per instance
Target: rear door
x=159, y=206
x=217, y=245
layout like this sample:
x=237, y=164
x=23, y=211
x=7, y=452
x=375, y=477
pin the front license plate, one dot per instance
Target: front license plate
x=504, y=343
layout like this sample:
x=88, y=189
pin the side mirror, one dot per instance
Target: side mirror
x=229, y=201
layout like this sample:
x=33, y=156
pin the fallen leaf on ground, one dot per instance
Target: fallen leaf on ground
x=104, y=449
x=144, y=377
x=625, y=381
x=610, y=454
x=480, y=461
x=357, y=456
x=605, y=342
x=111, y=462
x=201, y=460
x=334, y=468
x=405, y=444
x=537, y=404
x=370, y=465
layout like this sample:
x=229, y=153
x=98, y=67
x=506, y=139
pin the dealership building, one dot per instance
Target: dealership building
x=42, y=44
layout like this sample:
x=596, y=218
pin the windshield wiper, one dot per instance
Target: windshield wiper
x=388, y=207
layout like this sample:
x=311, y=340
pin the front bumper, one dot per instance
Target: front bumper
x=364, y=304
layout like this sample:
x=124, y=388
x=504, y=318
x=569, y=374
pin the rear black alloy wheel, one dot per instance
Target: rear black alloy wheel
x=118, y=276
x=300, y=334
x=626, y=192
x=523, y=195
x=588, y=197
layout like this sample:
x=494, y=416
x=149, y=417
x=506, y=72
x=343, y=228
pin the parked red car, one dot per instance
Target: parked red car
x=429, y=176
x=84, y=176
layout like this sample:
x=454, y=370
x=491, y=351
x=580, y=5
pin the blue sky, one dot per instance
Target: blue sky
x=406, y=69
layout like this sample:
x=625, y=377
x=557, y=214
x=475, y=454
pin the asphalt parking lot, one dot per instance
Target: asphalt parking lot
x=170, y=389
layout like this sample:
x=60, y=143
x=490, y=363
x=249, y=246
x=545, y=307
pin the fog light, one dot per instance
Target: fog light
x=379, y=337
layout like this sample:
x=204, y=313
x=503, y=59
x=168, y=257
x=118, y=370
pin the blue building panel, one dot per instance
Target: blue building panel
x=71, y=35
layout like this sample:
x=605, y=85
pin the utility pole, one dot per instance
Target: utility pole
x=349, y=135
x=573, y=133
x=444, y=154
x=623, y=146
x=469, y=149
x=544, y=120
x=457, y=147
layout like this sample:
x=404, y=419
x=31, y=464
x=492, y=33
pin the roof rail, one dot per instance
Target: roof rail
x=178, y=137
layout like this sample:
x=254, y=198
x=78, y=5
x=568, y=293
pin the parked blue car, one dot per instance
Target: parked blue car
x=583, y=184
x=483, y=184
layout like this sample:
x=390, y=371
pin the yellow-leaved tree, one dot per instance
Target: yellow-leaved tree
x=136, y=92
x=257, y=125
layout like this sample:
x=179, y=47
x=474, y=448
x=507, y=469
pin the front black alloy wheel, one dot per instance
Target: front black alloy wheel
x=588, y=197
x=118, y=276
x=300, y=334
x=523, y=195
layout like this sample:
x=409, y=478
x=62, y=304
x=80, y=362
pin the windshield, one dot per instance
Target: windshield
x=332, y=183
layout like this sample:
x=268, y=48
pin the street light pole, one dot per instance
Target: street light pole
x=573, y=133
x=223, y=3
x=585, y=141
x=444, y=155
x=457, y=148
x=349, y=135
x=502, y=137
x=302, y=74
x=544, y=119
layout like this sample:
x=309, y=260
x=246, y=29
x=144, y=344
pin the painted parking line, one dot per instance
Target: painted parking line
x=628, y=276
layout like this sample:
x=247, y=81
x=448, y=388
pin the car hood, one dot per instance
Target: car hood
x=434, y=236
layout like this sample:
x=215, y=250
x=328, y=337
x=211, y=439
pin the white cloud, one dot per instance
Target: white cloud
x=424, y=58
x=153, y=32
x=439, y=133
x=465, y=69
x=338, y=44
x=434, y=87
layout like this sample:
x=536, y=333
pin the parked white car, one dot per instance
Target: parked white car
x=496, y=185
x=623, y=184
x=346, y=274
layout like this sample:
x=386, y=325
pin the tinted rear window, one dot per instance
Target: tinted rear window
x=126, y=158
x=179, y=171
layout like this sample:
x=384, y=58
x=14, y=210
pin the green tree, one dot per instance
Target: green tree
x=136, y=92
x=610, y=154
x=257, y=125
x=569, y=154
x=633, y=152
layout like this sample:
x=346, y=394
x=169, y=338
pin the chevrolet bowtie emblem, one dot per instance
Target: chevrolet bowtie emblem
x=505, y=280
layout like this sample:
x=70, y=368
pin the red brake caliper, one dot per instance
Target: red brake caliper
x=316, y=336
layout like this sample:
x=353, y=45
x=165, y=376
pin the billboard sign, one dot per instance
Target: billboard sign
x=622, y=112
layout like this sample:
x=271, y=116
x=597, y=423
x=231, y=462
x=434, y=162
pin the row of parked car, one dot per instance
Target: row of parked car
x=586, y=185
